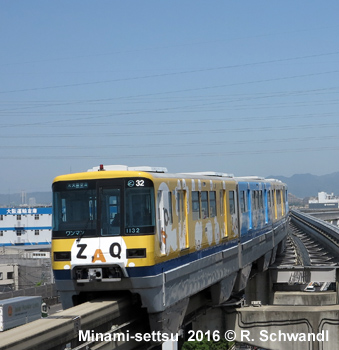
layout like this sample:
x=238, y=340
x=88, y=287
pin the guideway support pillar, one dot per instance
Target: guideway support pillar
x=170, y=345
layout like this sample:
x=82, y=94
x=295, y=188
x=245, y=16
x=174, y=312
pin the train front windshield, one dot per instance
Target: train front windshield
x=103, y=208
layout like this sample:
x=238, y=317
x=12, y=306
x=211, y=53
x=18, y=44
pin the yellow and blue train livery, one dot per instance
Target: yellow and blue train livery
x=163, y=236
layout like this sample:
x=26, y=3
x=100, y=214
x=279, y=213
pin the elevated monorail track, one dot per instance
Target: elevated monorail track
x=80, y=328
x=317, y=241
x=311, y=254
x=307, y=249
x=310, y=242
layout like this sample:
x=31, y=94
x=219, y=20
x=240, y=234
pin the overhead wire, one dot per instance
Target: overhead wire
x=172, y=73
x=176, y=155
x=178, y=144
x=162, y=132
x=223, y=98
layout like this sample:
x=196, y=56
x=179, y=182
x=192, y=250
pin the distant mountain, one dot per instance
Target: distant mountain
x=308, y=185
x=300, y=185
x=34, y=198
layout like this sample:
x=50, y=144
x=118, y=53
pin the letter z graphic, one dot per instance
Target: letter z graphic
x=81, y=250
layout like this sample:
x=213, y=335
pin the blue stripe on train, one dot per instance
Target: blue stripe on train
x=174, y=263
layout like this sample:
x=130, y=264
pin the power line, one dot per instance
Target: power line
x=223, y=98
x=176, y=145
x=168, y=46
x=178, y=155
x=174, y=73
x=177, y=132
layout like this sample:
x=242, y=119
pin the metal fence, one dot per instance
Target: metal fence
x=46, y=291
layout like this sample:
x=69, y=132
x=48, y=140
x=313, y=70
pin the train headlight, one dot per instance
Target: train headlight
x=62, y=256
x=136, y=253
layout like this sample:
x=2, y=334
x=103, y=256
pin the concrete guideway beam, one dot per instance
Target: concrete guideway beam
x=62, y=328
x=303, y=274
x=326, y=215
x=286, y=327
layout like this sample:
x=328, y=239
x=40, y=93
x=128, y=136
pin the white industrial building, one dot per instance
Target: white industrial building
x=8, y=277
x=324, y=201
x=25, y=226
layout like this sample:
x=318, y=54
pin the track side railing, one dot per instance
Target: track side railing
x=322, y=231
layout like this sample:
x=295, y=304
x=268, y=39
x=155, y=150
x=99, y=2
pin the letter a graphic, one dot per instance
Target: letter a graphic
x=98, y=256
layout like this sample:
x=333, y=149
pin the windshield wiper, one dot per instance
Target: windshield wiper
x=80, y=236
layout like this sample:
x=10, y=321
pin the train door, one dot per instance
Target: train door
x=182, y=218
x=164, y=217
x=223, y=213
x=278, y=201
x=269, y=204
x=110, y=211
x=275, y=204
x=249, y=205
x=286, y=201
x=110, y=206
x=244, y=214
x=233, y=207
x=266, y=205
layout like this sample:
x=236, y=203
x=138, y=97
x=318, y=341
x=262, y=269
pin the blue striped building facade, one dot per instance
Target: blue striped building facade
x=25, y=226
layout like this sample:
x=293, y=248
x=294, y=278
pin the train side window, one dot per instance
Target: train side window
x=213, y=204
x=196, y=205
x=260, y=200
x=243, y=208
x=204, y=204
x=269, y=198
x=231, y=202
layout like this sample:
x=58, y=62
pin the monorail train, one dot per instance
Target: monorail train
x=163, y=236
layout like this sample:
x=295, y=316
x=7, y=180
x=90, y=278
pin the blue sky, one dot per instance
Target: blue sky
x=244, y=87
